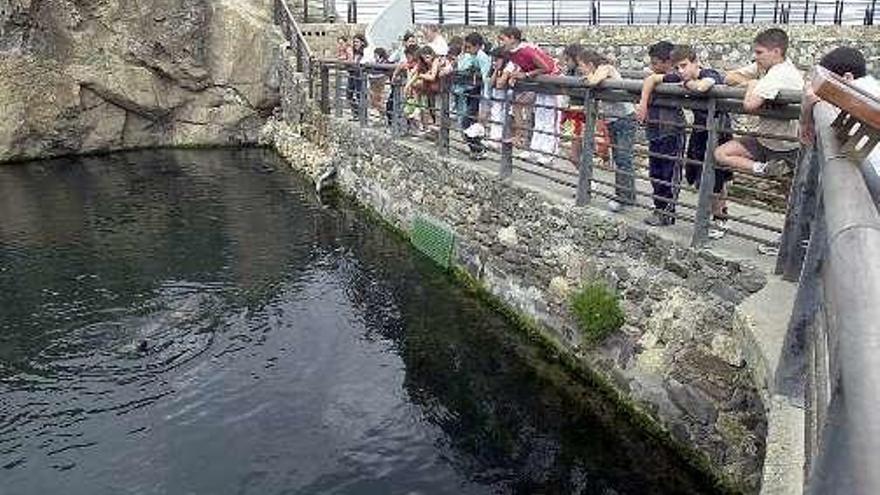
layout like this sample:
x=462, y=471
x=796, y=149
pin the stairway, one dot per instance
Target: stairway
x=308, y=11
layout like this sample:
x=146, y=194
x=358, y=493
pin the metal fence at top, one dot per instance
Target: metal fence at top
x=624, y=12
x=614, y=168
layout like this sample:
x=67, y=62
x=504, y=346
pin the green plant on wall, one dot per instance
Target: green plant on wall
x=597, y=311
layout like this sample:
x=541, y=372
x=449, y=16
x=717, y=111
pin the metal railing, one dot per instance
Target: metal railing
x=369, y=94
x=615, y=12
x=830, y=241
x=831, y=247
x=286, y=20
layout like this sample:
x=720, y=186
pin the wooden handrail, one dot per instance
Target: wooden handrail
x=842, y=94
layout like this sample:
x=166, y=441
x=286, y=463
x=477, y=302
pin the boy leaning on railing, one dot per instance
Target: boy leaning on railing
x=693, y=77
x=620, y=117
x=473, y=83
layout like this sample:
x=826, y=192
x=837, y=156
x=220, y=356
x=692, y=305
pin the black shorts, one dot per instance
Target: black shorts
x=761, y=153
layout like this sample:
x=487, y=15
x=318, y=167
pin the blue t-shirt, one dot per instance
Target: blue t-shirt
x=473, y=70
x=667, y=121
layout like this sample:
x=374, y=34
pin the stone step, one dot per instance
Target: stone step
x=318, y=10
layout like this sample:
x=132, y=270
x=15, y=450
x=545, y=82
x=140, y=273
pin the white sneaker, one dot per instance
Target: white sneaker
x=523, y=154
x=718, y=229
x=768, y=249
x=614, y=206
x=773, y=168
x=543, y=159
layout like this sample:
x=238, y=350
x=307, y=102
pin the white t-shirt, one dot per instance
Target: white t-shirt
x=782, y=76
x=871, y=86
x=439, y=46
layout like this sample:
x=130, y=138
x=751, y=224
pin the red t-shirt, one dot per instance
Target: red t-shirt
x=525, y=55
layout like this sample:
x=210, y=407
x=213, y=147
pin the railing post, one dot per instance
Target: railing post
x=325, y=89
x=310, y=70
x=802, y=201
x=305, y=10
x=397, y=122
x=588, y=140
x=707, y=180
x=506, y=168
x=299, y=54
x=340, y=84
x=443, y=133
x=364, y=85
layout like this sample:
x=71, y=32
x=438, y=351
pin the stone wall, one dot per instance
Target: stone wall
x=99, y=75
x=682, y=357
x=723, y=47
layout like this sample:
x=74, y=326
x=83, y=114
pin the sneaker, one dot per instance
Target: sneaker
x=523, y=154
x=718, y=229
x=543, y=159
x=774, y=168
x=477, y=155
x=768, y=249
x=659, y=219
x=614, y=206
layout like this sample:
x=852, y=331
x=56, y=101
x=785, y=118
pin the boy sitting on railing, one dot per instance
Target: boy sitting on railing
x=770, y=73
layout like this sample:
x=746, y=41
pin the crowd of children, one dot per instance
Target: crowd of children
x=482, y=83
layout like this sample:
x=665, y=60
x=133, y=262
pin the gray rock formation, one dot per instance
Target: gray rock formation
x=82, y=76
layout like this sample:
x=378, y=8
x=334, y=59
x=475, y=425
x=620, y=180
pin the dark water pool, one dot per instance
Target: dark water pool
x=291, y=348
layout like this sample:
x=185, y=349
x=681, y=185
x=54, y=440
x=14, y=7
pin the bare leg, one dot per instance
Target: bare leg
x=719, y=203
x=734, y=155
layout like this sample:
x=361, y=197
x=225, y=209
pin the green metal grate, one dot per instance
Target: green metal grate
x=433, y=238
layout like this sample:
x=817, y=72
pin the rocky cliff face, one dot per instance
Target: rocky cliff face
x=94, y=75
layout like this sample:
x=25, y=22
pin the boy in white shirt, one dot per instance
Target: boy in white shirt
x=770, y=73
x=436, y=40
x=849, y=64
